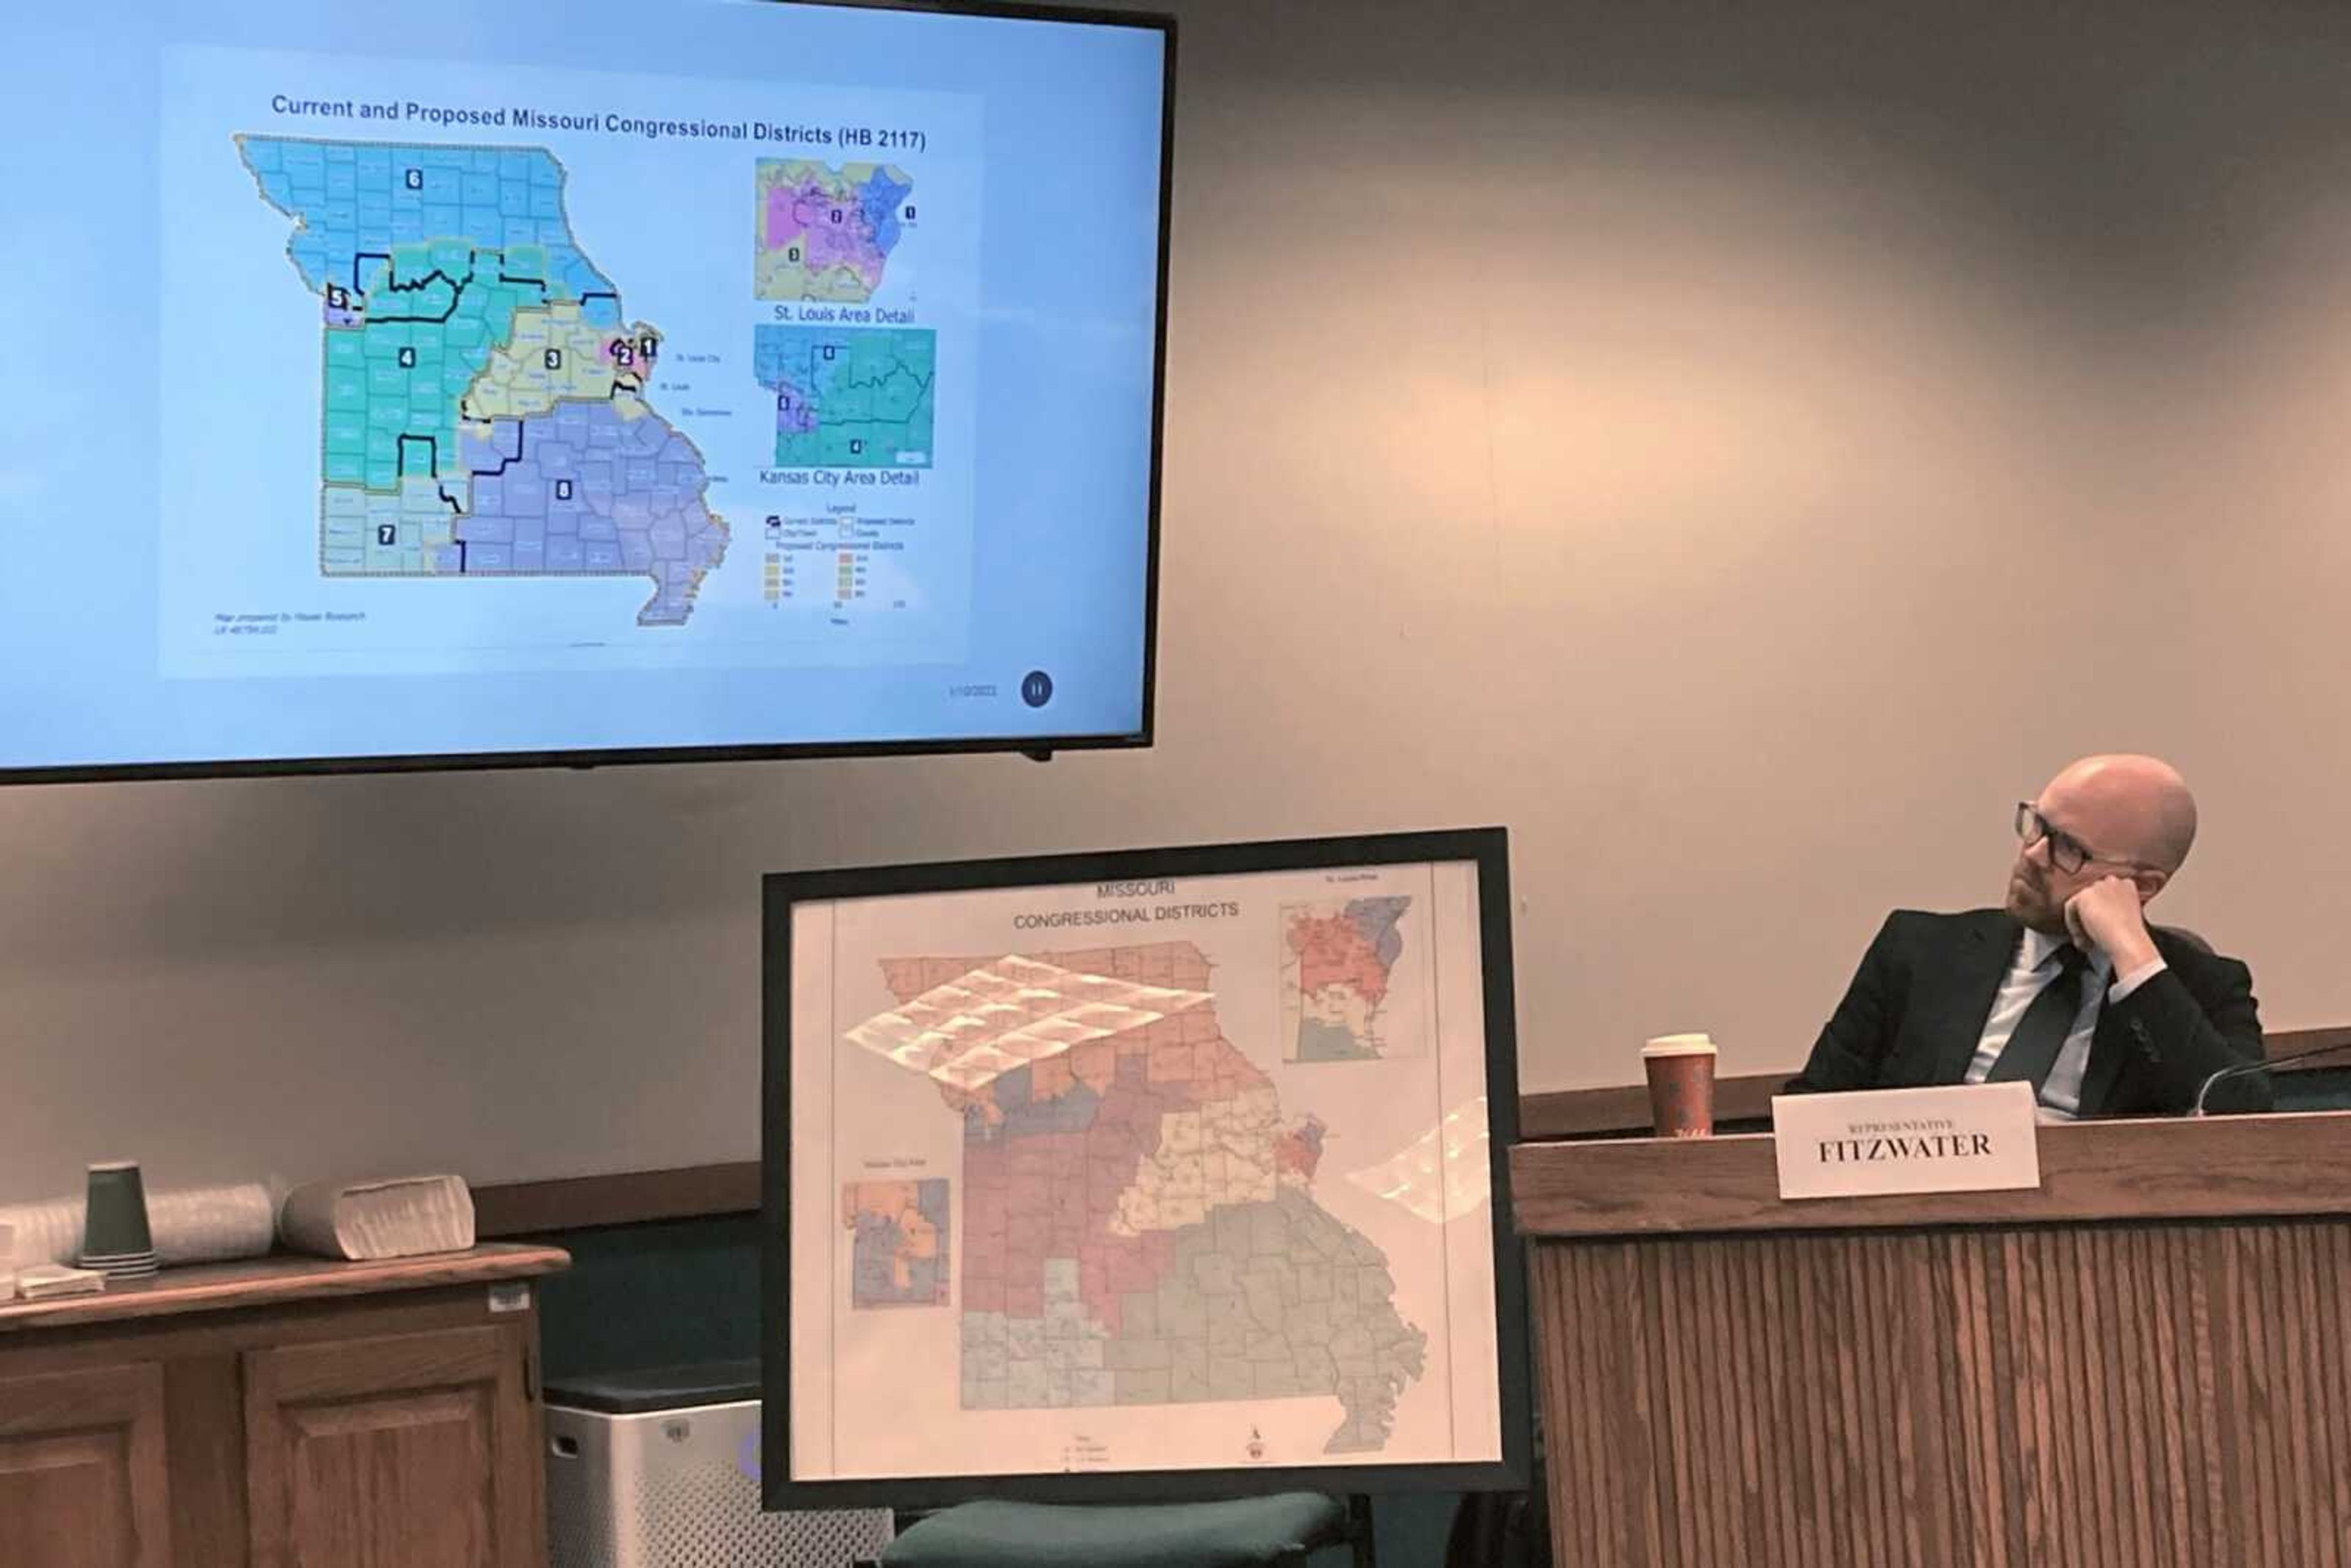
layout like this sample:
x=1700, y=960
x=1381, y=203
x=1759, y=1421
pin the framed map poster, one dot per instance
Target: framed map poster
x=1158, y=1174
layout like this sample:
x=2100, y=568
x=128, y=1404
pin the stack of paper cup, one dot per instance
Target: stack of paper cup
x=115, y=1239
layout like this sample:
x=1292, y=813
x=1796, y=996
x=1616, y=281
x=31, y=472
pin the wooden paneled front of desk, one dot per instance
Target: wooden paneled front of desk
x=279, y=1413
x=2146, y=1361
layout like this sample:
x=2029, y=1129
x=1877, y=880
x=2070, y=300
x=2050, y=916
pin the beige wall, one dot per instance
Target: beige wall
x=1740, y=455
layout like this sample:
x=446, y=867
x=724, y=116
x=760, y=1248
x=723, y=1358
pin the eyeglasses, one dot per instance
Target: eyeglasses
x=2066, y=853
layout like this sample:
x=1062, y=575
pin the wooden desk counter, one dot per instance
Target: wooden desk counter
x=279, y=1280
x=2145, y=1362
x=2242, y=1168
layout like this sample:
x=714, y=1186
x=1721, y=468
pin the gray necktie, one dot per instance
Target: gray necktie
x=2040, y=1033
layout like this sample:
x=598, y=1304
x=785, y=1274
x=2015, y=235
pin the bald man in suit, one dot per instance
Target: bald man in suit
x=2066, y=987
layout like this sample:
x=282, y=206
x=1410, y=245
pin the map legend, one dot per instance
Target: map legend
x=841, y=561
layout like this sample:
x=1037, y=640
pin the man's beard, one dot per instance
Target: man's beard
x=2029, y=903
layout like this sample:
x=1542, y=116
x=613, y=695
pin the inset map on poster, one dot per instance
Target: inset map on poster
x=1338, y=961
x=1174, y=1153
x=900, y=1256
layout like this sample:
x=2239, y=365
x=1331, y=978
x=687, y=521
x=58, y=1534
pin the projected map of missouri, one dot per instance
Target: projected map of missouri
x=481, y=401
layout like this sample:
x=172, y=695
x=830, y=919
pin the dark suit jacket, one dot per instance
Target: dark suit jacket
x=1917, y=1006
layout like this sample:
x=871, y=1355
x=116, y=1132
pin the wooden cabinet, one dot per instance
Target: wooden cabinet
x=407, y=1449
x=279, y=1415
x=81, y=1469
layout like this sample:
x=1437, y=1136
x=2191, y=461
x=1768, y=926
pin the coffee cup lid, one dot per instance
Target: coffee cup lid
x=1680, y=1045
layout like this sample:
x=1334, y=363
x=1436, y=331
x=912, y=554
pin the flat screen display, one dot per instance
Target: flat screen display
x=489, y=382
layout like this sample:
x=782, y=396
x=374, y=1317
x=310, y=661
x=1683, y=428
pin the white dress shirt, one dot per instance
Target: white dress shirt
x=2034, y=966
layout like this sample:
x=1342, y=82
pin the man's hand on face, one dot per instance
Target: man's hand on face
x=2107, y=916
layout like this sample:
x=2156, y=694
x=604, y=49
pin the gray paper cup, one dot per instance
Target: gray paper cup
x=115, y=1223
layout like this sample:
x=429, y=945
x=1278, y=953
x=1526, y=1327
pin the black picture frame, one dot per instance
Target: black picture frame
x=1486, y=848
x=1039, y=746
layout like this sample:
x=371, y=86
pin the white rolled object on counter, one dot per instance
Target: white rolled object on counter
x=214, y=1224
x=196, y=1225
x=46, y=1232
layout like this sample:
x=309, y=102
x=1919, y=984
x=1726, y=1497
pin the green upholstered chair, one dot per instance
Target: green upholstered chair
x=1278, y=1532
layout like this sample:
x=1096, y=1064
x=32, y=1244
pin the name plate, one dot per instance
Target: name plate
x=1881, y=1141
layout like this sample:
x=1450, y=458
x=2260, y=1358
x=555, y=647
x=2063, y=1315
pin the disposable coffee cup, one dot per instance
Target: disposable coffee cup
x=114, y=1224
x=1681, y=1085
